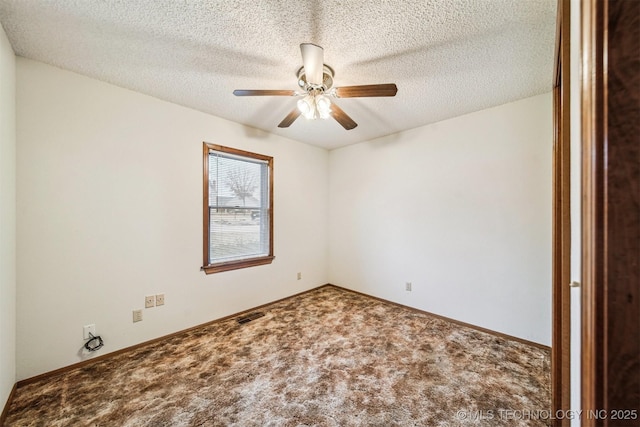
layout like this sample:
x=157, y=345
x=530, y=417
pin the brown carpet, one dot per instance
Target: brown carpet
x=328, y=357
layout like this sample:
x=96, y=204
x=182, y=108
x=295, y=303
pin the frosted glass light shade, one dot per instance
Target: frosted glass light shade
x=315, y=107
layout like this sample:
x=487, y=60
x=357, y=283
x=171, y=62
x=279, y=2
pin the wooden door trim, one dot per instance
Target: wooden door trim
x=611, y=225
x=561, y=266
x=592, y=38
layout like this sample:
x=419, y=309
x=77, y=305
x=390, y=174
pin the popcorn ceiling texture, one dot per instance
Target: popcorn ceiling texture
x=329, y=357
x=448, y=57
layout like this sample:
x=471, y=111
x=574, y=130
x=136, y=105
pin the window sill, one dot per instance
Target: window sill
x=235, y=265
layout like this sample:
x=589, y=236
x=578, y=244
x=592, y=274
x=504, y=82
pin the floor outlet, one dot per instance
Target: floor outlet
x=88, y=329
x=149, y=301
x=408, y=286
x=160, y=299
x=137, y=315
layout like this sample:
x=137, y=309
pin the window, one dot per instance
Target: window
x=238, y=209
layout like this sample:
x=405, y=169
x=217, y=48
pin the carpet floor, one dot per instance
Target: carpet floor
x=328, y=357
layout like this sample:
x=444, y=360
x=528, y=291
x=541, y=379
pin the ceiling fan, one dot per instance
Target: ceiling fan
x=315, y=78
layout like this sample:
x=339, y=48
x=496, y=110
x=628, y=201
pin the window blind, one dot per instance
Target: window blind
x=238, y=207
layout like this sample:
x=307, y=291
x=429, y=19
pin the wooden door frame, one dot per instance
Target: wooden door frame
x=610, y=194
x=561, y=224
x=611, y=221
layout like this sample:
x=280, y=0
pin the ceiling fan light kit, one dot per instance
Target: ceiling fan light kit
x=315, y=78
x=315, y=106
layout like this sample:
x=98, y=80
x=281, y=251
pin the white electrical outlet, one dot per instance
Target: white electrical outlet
x=407, y=286
x=137, y=315
x=88, y=329
x=159, y=299
x=149, y=301
x=299, y=276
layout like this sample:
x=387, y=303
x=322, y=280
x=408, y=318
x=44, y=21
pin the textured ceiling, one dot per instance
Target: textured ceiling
x=447, y=57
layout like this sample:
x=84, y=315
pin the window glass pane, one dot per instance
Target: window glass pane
x=234, y=182
x=238, y=207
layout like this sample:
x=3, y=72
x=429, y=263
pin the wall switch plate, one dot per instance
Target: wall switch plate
x=137, y=315
x=299, y=276
x=88, y=329
x=159, y=299
x=407, y=286
x=149, y=301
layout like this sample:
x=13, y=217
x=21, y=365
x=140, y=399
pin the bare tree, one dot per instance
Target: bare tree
x=242, y=182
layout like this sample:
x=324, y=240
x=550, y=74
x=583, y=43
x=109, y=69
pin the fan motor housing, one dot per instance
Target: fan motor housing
x=327, y=79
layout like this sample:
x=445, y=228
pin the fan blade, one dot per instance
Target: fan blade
x=312, y=61
x=342, y=117
x=250, y=92
x=291, y=117
x=386, y=89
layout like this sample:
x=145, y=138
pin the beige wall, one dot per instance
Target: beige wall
x=110, y=210
x=7, y=219
x=461, y=209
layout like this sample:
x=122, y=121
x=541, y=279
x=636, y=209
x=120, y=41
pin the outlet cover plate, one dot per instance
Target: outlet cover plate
x=159, y=299
x=137, y=315
x=149, y=301
x=88, y=329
